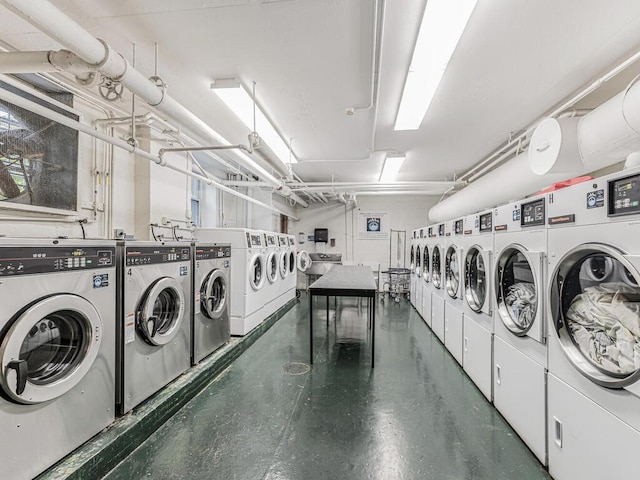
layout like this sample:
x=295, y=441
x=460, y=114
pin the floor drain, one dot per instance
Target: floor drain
x=295, y=368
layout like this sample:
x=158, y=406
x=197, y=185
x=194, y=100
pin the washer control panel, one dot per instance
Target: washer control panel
x=135, y=256
x=213, y=252
x=31, y=260
x=624, y=196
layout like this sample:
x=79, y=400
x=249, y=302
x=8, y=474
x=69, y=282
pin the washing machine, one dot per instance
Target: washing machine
x=438, y=281
x=477, y=311
x=154, y=318
x=453, y=287
x=412, y=268
x=594, y=328
x=420, y=271
x=519, y=348
x=211, y=298
x=291, y=279
x=425, y=283
x=248, y=274
x=274, y=284
x=57, y=348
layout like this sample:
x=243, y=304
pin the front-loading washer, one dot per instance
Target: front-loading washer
x=154, y=318
x=420, y=271
x=477, y=310
x=291, y=279
x=437, y=281
x=412, y=268
x=274, y=284
x=519, y=349
x=594, y=328
x=57, y=348
x=453, y=287
x=424, y=283
x=211, y=299
x=248, y=274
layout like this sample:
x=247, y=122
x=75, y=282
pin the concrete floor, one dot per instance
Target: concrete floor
x=415, y=416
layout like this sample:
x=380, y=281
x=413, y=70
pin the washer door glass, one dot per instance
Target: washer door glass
x=272, y=267
x=475, y=279
x=283, y=264
x=48, y=348
x=161, y=311
x=426, y=276
x=256, y=272
x=418, y=260
x=292, y=263
x=213, y=294
x=436, y=267
x=452, y=271
x=595, y=303
x=516, y=290
x=412, y=264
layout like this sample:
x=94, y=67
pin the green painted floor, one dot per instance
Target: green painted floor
x=415, y=416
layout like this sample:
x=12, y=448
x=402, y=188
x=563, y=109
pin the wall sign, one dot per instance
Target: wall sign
x=373, y=226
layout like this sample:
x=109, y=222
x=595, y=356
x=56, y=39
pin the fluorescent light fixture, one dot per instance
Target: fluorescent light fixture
x=391, y=168
x=442, y=26
x=239, y=101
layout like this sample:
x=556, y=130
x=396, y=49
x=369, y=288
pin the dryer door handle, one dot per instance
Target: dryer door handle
x=21, y=368
x=154, y=326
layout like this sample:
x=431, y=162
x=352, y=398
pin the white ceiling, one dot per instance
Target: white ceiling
x=312, y=59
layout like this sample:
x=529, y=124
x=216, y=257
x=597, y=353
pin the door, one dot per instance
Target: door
x=272, y=267
x=412, y=263
x=213, y=295
x=595, y=308
x=476, y=279
x=283, y=264
x=519, y=294
x=303, y=261
x=426, y=272
x=256, y=272
x=436, y=267
x=48, y=348
x=418, y=260
x=292, y=262
x=452, y=271
x=161, y=311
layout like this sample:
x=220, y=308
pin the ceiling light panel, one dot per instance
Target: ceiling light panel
x=442, y=26
x=391, y=168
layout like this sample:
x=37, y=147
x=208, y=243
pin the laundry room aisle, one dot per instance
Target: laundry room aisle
x=415, y=416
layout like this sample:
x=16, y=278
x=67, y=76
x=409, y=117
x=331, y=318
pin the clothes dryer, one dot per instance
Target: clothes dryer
x=477, y=309
x=438, y=282
x=291, y=279
x=211, y=287
x=594, y=328
x=154, y=318
x=420, y=271
x=412, y=267
x=57, y=348
x=425, y=284
x=453, y=287
x=248, y=274
x=520, y=351
x=274, y=285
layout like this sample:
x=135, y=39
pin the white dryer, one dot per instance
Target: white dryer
x=594, y=328
x=438, y=282
x=477, y=309
x=520, y=350
x=420, y=270
x=57, y=348
x=211, y=298
x=154, y=318
x=248, y=274
x=412, y=268
x=292, y=272
x=425, y=282
x=453, y=287
x=274, y=284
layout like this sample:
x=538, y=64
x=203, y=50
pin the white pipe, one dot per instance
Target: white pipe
x=25, y=62
x=435, y=183
x=80, y=127
x=510, y=181
x=52, y=21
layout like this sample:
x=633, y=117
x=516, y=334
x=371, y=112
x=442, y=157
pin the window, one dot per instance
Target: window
x=196, y=189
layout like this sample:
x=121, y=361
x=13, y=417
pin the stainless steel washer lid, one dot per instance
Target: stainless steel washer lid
x=161, y=311
x=49, y=347
x=213, y=294
x=595, y=307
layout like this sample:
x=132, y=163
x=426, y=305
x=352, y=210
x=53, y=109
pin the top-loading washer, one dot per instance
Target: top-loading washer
x=412, y=267
x=425, y=282
x=437, y=281
x=274, y=285
x=420, y=271
x=453, y=287
x=248, y=274
x=212, y=295
x=57, y=348
x=477, y=308
x=519, y=349
x=594, y=328
x=154, y=318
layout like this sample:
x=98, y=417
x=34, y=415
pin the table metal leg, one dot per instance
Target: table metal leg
x=373, y=329
x=327, y=311
x=310, y=328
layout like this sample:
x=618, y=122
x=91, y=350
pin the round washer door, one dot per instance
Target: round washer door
x=412, y=264
x=48, y=348
x=213, y=294
x=283, y=264
x=272, y=267
x=292, y=262
x=436, y=267
x=426, y=274
x=256, y=272
x=517, y=289
x=595, y=307
x=452, y=269
x=303, y=261
x=161, y=311
x=475, y=279
x=418, y=260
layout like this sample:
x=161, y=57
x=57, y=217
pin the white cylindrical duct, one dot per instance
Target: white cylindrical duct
x=554, y=147
x=513, y=180
x=25, y=62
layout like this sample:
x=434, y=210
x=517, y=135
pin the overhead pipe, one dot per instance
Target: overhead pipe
x=80, y=127
x=99, y=55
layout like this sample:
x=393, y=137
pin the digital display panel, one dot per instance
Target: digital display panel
x=624, y=196
x=458, y=227
x=486, y=222
x=532, y=213
x=256, y=241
